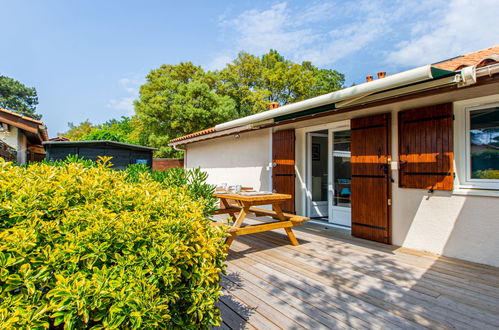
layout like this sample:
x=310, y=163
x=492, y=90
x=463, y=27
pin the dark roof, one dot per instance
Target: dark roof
x=98, y=144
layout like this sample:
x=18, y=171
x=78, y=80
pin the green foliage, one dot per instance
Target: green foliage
x=178, y=100
x=193, y=180
x=486, y=174
x=253, y=82
x=17, y=97
x=119, y=130
x=85, y=247
x=77, y=132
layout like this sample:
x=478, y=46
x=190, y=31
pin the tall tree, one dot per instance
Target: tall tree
x=178, y=100
x=253, y=82
x=77, y=132
x=17, y=97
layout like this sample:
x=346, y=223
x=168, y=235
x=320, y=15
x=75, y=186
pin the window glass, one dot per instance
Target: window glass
x=484, y=143
x=342, y=176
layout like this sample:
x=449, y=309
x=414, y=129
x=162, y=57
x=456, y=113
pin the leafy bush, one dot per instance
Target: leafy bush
x=194, y=180
x=84, y=247
x=486, y=174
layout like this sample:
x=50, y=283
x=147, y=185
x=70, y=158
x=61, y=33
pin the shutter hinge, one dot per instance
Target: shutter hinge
x=389, y=202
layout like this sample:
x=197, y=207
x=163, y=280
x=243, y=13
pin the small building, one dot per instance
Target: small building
x=21, y=137
x=409, y=159
x=123, y=154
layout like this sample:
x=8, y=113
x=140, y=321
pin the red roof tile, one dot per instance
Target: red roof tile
x=468, y=59
x=199, y=133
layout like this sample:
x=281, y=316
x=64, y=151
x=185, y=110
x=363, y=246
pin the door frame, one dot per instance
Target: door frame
x=343, y=127
x=307, y=154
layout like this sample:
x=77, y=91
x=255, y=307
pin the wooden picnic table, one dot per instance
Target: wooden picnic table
x=246, y=205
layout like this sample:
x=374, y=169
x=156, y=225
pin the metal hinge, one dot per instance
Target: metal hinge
x=389, y=202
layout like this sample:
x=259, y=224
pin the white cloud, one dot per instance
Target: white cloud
x=131, y=88
x=458, y=27
x=322, y=32
x=395, y=33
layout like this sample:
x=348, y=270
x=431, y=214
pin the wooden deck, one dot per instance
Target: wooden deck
x=333, y=280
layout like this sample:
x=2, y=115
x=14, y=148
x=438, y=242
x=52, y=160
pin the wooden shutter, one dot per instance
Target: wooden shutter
x=426, y=147
x=371, y=186
x=283, y=171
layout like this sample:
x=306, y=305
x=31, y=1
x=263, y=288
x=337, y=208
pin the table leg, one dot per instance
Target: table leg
x=237, y=224
x=289, y=232
x=227, y=205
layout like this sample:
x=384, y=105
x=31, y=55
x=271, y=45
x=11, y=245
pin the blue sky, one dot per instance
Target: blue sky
x=88, y=58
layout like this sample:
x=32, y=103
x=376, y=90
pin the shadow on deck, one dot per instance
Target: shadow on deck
x=333, y=280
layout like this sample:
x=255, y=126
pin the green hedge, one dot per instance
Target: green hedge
x=84, y=247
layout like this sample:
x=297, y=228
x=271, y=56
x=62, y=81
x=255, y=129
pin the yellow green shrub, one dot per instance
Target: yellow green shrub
x=84, y=247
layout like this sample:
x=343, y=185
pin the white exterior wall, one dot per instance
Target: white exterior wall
x=244, y=160
x=443, y=222
x=448, y=223
x=11, y=137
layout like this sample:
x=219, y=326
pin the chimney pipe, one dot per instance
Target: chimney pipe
x=273, y=105
x=369, y=78
x=381, y=74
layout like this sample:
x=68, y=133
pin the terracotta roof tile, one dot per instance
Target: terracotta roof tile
x=468, y=59
x=198, y=133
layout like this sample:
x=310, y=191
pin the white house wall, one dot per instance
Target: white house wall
x=443, y=222
x=446, y=223
x=235, y=161
x=11, y=137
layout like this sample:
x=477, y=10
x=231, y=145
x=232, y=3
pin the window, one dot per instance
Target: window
x=478, y=131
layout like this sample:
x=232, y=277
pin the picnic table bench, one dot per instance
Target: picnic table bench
x=246, y=204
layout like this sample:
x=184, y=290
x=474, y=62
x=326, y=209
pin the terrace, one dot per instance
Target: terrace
x=333, y=280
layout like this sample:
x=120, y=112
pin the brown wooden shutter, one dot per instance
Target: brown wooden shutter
x=283, y=171
x=371, y=185
x=426, y=147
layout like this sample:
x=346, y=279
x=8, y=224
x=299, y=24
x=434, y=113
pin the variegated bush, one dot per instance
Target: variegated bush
x=83, y=247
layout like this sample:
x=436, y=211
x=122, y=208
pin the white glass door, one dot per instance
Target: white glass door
x=340, y=177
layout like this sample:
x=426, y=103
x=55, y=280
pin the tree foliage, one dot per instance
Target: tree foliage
x=253, y=82
x=77, y=132
x=180, y=99
x=16, y=97
x=119, y=130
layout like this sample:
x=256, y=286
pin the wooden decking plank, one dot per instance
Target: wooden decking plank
x=378, y=289
x=477, y=297
x=444, y=279
x=448, y=265
x=253, y=299
x=372, y=314
x=383, y=309
x=232, y=319
x=448, y=310
x=252, y=316
x=324, y=312
x=383, y=283
x=350, y=315
x=306, y=316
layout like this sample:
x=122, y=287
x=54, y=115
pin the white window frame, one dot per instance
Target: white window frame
x=462, y=155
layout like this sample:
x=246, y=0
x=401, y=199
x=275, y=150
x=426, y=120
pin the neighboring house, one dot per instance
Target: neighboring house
x=21, y=137
x=393, y=159
x=123, y=154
